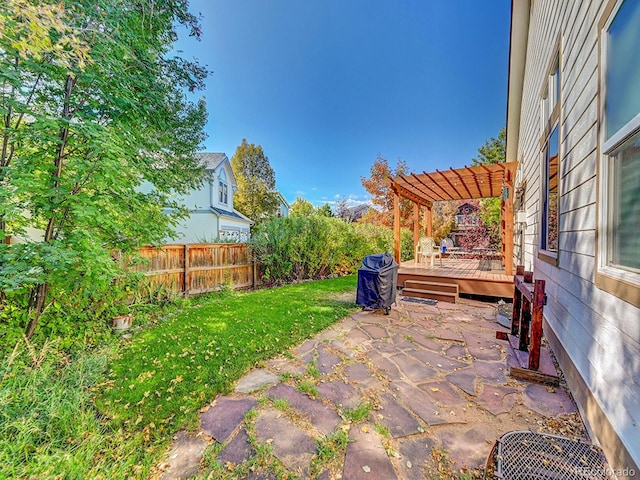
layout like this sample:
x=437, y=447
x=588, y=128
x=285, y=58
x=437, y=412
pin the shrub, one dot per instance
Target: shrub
x=299, y=248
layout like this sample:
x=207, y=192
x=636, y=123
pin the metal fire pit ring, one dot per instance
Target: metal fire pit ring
x=525, y=455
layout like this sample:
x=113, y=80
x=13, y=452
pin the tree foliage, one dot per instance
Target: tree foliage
x=382, y=196
x=92, y=106
x=324, y=210
x=301, y=208
x=444, y=219
x=256, y=196
x=493, y=151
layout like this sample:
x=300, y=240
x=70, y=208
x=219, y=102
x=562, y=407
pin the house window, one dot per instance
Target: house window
x=222, y=188
x=619, y=183
x=550, y=141
x=550, y=195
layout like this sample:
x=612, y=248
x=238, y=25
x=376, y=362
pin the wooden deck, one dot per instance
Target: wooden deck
x=473, y=276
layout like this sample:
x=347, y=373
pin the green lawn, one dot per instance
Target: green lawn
x=154, y=383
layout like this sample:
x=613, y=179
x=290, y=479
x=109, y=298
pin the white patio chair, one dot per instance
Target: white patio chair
x=427, y=249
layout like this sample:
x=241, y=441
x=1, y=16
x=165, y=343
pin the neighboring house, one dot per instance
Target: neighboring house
x=356, y=212
x=283, y=206
x=573, y=124
x=212, y=216
x=467, y=217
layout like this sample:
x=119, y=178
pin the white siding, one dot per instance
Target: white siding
x=198, y=228
x=600, y=332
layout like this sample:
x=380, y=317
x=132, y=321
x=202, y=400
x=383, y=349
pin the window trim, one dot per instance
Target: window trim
x=548, y=125
x=222, y=188
x=616, y=281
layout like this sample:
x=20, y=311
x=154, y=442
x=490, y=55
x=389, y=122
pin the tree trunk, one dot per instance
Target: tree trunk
x=37, y=300
x=38, y=295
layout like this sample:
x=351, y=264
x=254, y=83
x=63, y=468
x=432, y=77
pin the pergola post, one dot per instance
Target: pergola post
x=507, y=223
x=429, y=221
x=416, y=224
x=396, y=226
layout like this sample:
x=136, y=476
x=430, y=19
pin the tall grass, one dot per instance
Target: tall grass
x=49, y=427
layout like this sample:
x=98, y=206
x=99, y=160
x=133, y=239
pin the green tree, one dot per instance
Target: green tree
x=93, y=106
x=256, y=196
x=493, y=151
x=301, y=208
x=382, y=196
x=324, y=210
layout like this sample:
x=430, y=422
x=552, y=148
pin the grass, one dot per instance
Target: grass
x=112, y=412
x=358, y=414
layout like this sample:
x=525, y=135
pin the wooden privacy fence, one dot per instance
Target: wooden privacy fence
x=198, y=268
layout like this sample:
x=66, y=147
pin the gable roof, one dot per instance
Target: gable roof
x=211, y=160
x=283, y=201
x=231, y=214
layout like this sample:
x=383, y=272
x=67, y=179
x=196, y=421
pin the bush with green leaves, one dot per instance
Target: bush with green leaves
x=90, y=163
x=305, y=247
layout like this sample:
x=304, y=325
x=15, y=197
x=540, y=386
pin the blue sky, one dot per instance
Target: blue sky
x=325, y=85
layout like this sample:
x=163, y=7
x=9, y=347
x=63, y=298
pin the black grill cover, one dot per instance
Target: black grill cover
x=377, y=281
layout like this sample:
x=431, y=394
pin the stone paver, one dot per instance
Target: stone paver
x=321, y=416
x=436, y=360
x=387, y=367
x=291, y=445
x=397, y=419
x=481, y=347
x=366, y=457
x=326, y=360
x=413, y=369
x=237, y=450
x=435, y=376
x=497, y=400
x=491, y=372
x=360, y=374
x=548, y=401
x=420, y=404
x=255, y=381
x=467, y=448
x=456, y=351
x=339, y=393
x=184, y=457
x=443, y=393
x=375, y=331
x=224, y=417
x=415, y=453
x=465, y=379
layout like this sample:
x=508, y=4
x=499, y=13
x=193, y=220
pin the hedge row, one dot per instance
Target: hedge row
x=299, y=248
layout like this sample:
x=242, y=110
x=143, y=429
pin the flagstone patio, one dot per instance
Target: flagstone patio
x=433, y=379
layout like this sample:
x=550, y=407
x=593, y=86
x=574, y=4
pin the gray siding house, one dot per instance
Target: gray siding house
x=573, y=124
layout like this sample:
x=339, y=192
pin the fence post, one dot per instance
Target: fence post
x=185, y=287
x=254, y=272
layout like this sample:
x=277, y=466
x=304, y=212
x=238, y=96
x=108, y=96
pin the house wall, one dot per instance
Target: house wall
x=596, y=336
x=200, y=227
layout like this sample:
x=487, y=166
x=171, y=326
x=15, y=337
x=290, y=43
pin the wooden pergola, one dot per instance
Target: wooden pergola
x=482, y=181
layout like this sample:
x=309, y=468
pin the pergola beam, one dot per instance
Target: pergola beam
x=449, y=182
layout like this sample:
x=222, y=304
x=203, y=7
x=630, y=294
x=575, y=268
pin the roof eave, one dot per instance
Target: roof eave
x=520, y=13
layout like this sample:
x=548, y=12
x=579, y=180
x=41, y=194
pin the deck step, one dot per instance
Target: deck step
x=444, y=287
x=443, y=291
x=432, y=294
